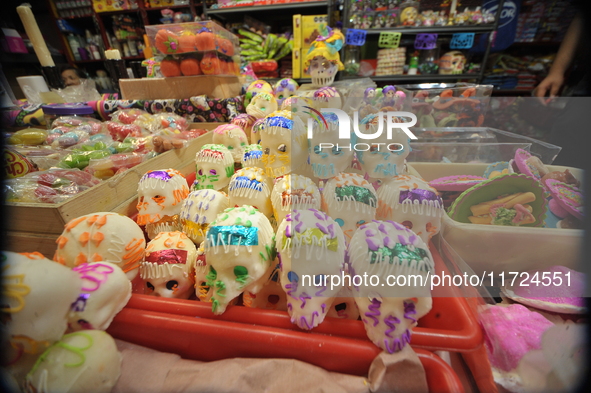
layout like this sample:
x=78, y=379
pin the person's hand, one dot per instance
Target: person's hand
x=550, y=86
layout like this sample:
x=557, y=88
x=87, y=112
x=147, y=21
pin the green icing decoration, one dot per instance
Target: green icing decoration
x=403, y=252
x=211, y=276
x=241, y=274
x=221, y=287
x=229, y=171
x=359, y=194
x=214, y=305
x=76, y=350
x=248, y=223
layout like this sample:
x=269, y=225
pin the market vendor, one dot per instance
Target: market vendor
x=71, y=76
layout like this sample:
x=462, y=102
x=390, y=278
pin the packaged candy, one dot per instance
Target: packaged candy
x=127, y=116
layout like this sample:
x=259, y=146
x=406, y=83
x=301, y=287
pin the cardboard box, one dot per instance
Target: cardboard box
x=36, y=226
x=296, y=67
x=108, y=5
x=308, y=31
x=181, y=87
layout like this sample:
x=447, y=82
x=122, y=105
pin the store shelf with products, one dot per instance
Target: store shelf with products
x=300, y=5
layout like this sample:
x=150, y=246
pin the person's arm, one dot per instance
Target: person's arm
x=552, y=84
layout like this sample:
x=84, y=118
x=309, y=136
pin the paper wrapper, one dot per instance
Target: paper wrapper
x=145, y=370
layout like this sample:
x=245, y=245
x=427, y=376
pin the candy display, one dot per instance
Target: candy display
x=198, y=210
x=160, y=196
x=310, y=243
x=102, y=236
x=168, y=267
x=382, y=248
x=391, y=61
x=239, y=250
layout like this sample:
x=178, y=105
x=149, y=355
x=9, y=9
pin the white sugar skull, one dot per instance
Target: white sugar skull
x=37, y=294
x=270, y=297
x=256, y=87
x=262, y=104
x=214, y=167
x=326, y=157
x=233, y=137
x=299, y=107
x=322, y=71
x=383, y=249
x=294, y=192
x=240, y=253
x=412, y=202
x=350, y=200
x=344, y=306
x=382, y=157
x=285, y=88
x=102, y=236
x=327, y=97
x=255, y=131
x=253, y=156
x=311, y=249
x=105, y=291
x=160, y=195
x=168, y=269
x=250, y=186
x=199, y=209
x=244, y=121
x=284, y=144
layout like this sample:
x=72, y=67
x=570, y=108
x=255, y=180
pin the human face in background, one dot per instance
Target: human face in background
x=70, y=78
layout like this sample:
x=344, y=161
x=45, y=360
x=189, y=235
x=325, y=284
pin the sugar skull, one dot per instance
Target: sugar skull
x=168, y=268
x=412, y=202
x=311, y=248
x=254, y=88
x=326, y=158
x=350, y=200
x=327, y=97
x=284, y=144
x=202, y=290
x=383, y=157
x=294, y=192
x=244, y=121
x=452, y=63
x=284, y=88
x=262, y=104
x=199, y=209
x=105, y=291
x=255, y=131
x=102, y=236
x=233, y=137
x=160, y=196
x=344, y=306
x=387, y=249
x=37, y=294
x=270, y=297
x=251, y=186
x=253, y=156
x=239, y=250
x=214, y=167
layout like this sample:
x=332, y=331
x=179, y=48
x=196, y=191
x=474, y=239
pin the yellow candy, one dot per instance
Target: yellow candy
x=30, y=136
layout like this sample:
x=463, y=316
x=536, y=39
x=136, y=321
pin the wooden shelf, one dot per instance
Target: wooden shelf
x=131, y=11
x=435, y=29
x=271, y=7
x=425, y=77
x=172, y=7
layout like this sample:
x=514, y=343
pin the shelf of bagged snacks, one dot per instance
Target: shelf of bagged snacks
x=267, y=7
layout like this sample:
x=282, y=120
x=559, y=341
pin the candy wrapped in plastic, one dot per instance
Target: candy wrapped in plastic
x=28, y=136
x=128, y=116
x=120, y=131
x=81, y=155
x=52, y=186
x=107, y=167
x=88, y=124
x=156, y=122
x=167, y=139
x=63, y=140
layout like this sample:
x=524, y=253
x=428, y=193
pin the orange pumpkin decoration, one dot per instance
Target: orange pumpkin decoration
x=187, y=42
x=170, y=67
x=167, y=42
x=225, y=46
x=190, y=66
x=205, y=40
x=210, y=64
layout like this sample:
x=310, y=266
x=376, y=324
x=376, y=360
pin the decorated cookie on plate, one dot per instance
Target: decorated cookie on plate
x=498, y=168
x=385, y=249
x=450, y=187
x=566, y=202
x=529, y=165
x=293, y=192
x=510, y=200
x=199, y=209
x=310, y=244
x=557, y=289
x=250, y=186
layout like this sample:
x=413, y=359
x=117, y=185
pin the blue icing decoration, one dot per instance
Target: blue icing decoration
x=245, y=182
x=253, y=154
x=279, y=121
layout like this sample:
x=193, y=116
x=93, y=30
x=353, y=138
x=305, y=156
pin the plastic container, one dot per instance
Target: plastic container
x=499, y=249
x=53, y=111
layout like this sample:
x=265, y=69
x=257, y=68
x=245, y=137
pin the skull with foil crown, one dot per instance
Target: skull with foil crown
x=168, y=268
x=382, y=250
x=293, y=192
x=214, y=167
x=412, y=202
x=311, y=248
x=199, y=209
x=240, y=253
x=350, y=200
x=326, y=157
x=160, y=195
x=385, y=157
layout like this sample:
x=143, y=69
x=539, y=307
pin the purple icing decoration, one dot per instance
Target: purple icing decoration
x=331, y=230
x=398, y=343
x=318, y=215
x=391, y=322
x=409, y=309
x=288, y=230
x=321, y=291
x=303, y=298
x=80, y=303
x=322, y=228
x=323, y=308
x=372, y=245
x=382, y=228
x=374, y=311
x=162, y=175
x=311, y=324
x=402, y=240
x=370, y=233
x=419, y=195
x=298, y=226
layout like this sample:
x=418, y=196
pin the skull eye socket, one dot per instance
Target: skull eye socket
x=267, y=150
x=150, y=286
x=293, y=277
x=407, y=224
x=273, y=299
x=200, y=172
x=172, y=285
x=317, y=149
x=336, y=151
x=341, y=307
x=282, y=148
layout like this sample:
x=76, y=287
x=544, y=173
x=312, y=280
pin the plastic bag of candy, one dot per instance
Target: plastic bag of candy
x=104, y=168
x=128, y=116
x=156, y=122
x=80, y=156
x=120, y=131
x=52, y=186
x=88, y=124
